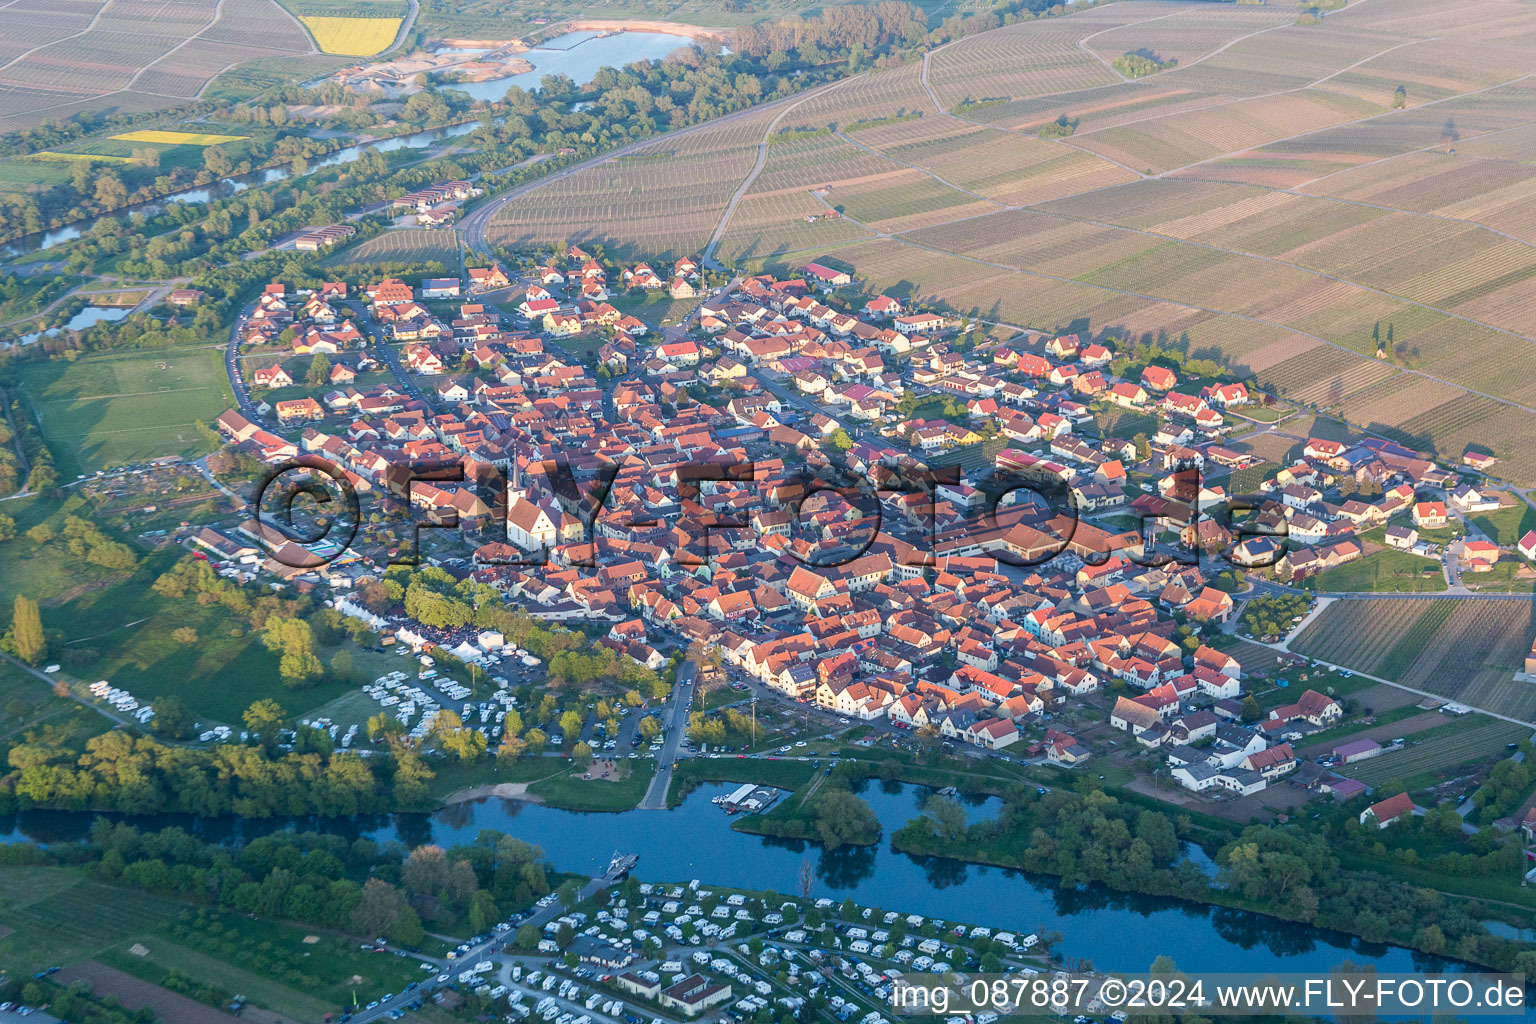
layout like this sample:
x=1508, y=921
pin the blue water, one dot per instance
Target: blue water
x=1116, y=931
x=81, y=320
x=579, y=56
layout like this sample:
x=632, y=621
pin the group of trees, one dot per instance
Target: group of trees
x=196, y=578
x=729, y=727
x=1271, y=614
x=358, y=886
x=139, y=775
x=1287, y=872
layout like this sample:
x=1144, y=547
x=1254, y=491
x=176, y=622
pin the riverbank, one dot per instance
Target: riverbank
x=1288, y=875
x=500, y=790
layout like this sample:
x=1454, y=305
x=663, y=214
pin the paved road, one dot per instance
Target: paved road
x=379, y=348
x=675, y=718
x=52, y=680
x=237, y=382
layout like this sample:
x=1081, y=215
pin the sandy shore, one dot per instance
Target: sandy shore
x=671, y=28
x=504, y=790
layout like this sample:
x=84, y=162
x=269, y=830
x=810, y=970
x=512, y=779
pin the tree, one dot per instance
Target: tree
x=27, y=637
x=1143, y=447
x=569, y=893
x=528, y=938
x=264, y=718
x=172, y=719
x=454, y=738
x=319, y=370
x=216, y=161
x=581, y=754
x=948, y=816
x=1442, y=820
x=7, y=528
x=379, y=909
x=294, y=642
x=407, y=930
x=844, y=818
x=184, y=635
x=840, y=439
x=1252, y=711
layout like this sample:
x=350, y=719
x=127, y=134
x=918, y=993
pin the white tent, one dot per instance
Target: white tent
x=467, y=652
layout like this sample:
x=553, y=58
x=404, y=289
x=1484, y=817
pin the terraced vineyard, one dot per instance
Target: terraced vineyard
x=1463, y=649
x=1437, y=753
x=1271, y=201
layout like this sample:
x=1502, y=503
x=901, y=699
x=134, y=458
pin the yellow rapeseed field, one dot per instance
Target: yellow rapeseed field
x=178, y=138
x=49, y=154
x=352, y=37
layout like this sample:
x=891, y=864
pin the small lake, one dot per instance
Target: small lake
x=579, y=56
x=81, y=320
x=1114, y=930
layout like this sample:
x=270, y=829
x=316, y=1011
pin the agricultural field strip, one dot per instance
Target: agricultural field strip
x=266, y=51
x=1296, y=266
x=918, y=167
x=43, y=46
x=1234, y=100
x=1036, y=208
x=1246, y=317
x=1082, y=44
x=275, y=51
x=1479, y=137
x=1345, y=124
x=757, y=168
x=1402, y=686
x=474, y=226
x=1226, y=101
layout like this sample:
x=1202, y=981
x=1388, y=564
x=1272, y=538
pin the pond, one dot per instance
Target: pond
x=579, y=56
x=695, y=840
x=81, y=320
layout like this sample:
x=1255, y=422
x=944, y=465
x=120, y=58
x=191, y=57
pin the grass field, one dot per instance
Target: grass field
x=573, y=792
x=1385, y=571
x=1508, y=524
x=60, y=915
x=352, y=37
x=108, y=410
x=268, y=961
x=28, y=704
x=110, y=624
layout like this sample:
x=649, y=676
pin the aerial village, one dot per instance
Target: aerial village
x=669, y=480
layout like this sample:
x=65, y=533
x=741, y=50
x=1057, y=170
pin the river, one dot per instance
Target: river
x=1114, y=930
x=200, y=195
